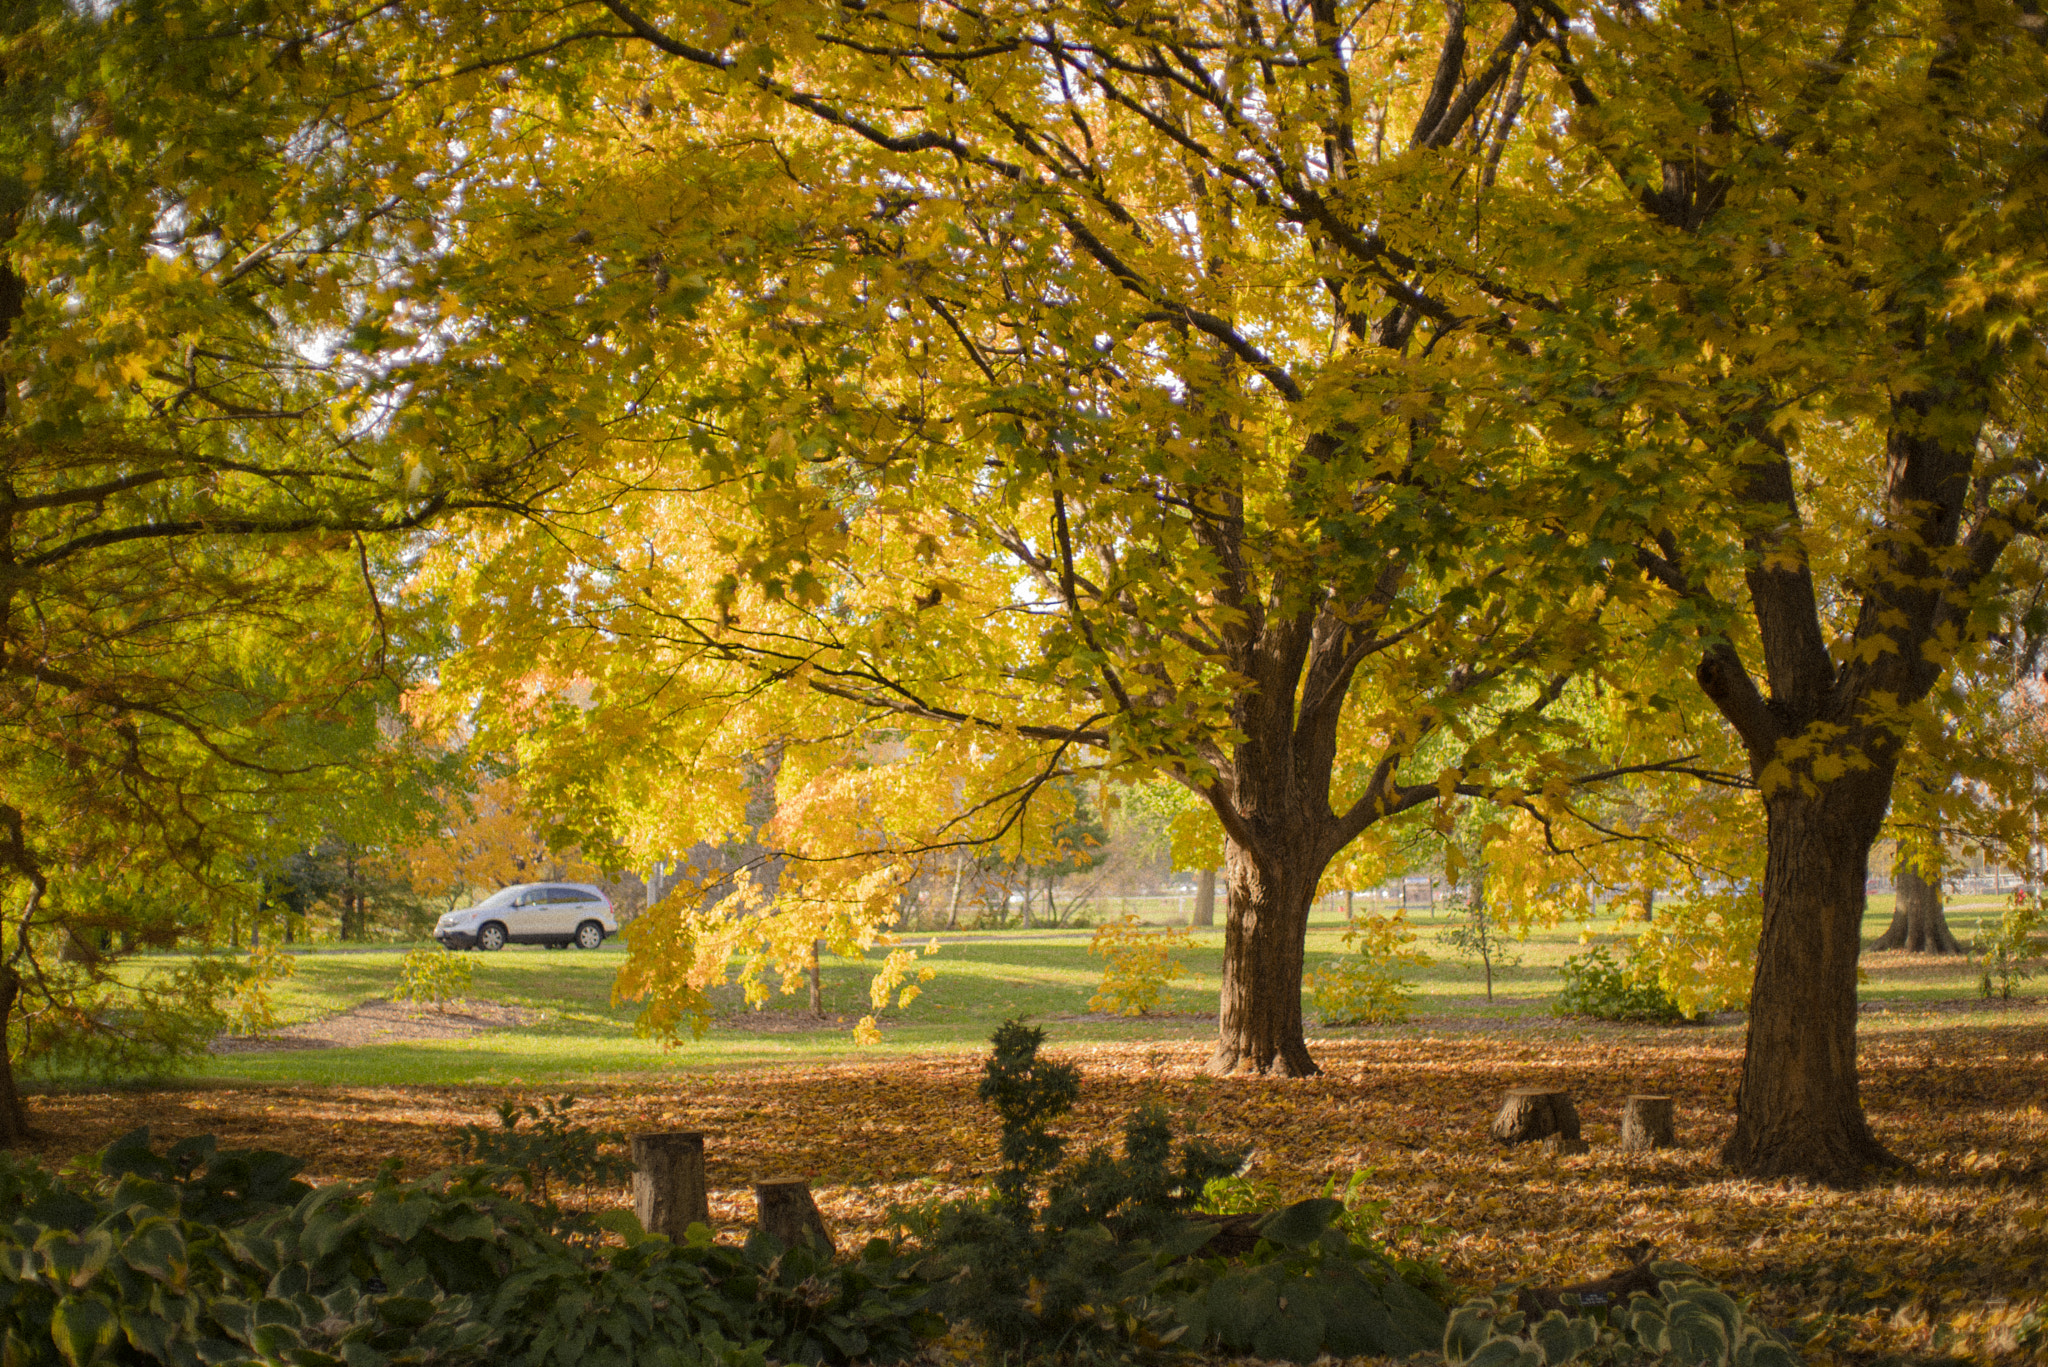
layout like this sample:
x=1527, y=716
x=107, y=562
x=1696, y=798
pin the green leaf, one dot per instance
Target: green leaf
x=402, y=1220
x=83, y=1328
x=1469, y=1326
x=1302, y=1223
x=157, y=1249
x=1296, y=1334
x=1240, y=1301
x=1505, y=1353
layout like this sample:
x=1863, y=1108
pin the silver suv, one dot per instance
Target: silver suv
x=553, y=914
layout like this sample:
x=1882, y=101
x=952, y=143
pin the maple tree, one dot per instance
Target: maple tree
x=951, y=416
x=197, y=634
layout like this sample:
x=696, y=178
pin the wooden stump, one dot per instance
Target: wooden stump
x=785, y=1209
x=668, y=1183
x=1528, y=1113
x=1564, y=1145
x=1646, y=1123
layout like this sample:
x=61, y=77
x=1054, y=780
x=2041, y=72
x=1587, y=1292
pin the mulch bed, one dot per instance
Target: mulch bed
x=382, y=1022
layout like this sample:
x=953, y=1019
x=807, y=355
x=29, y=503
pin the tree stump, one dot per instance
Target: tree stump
x=1528, y=1113
x=668, y=1183
x=1646, y=1123
x=784, y=1209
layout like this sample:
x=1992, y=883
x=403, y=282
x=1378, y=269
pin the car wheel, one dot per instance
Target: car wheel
x=589, y=935
x=491, y=936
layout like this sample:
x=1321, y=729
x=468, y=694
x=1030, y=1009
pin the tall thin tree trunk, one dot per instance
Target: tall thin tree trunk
x=817, y=987
x=1260, y=1030
x=1799, y=1111
x=1919, y=924
x=14, y=1129
x=959, y=876
x=1483, y=922
x=1205, y=900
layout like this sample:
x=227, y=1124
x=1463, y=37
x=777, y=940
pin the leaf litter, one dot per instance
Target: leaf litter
x=1947, y=1261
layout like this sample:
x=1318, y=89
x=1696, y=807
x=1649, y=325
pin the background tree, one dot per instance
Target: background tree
x=491, y=839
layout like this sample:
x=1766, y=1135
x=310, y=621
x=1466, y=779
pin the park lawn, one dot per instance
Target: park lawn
x=575, y=1034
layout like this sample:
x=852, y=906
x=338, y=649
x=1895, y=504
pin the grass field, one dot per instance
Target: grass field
x=576, y=1034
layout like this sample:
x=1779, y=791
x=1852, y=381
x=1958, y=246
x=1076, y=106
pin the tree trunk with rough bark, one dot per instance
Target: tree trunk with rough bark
x=1919, y=925
x=1264, y=934
x=1799, y=1111
x=14, y=1130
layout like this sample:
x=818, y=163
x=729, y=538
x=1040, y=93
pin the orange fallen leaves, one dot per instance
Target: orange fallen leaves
x=1951, y=1257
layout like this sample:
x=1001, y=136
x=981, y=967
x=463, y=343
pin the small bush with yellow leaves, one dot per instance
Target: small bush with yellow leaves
x=1369, y=987
x=1141, y=963
x=432, y=976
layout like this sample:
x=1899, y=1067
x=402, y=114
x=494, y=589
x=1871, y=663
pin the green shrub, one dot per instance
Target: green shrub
x=551, y=1155
x=1689, y=1323
x=1101, y=1257
x=1597, y=985
x=2007, y=946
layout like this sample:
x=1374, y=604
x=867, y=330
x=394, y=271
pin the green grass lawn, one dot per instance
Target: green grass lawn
x=578, y=1035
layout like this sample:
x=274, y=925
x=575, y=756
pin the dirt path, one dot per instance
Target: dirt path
x=382, y=1022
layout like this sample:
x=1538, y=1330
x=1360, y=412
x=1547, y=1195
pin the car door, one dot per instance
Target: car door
x=527, y=917
x=564, y=910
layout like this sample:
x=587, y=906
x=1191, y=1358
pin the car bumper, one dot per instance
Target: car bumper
x=456, y=939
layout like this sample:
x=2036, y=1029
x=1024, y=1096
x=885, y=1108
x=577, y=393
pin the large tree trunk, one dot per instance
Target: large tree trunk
x=1919, y=924
x=1798, y=1112
x=1260, y=1030
x=14, y=1130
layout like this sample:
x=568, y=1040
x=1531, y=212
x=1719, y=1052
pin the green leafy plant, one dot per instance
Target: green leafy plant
x=1597, y=984
x=1103, y=1256
x=546, y=1150
x=430, y=975
x=1690, y=1322
x=2008, y=946
x=199, y=1256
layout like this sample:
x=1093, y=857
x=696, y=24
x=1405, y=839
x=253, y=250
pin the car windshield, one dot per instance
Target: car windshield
x=501, y=898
